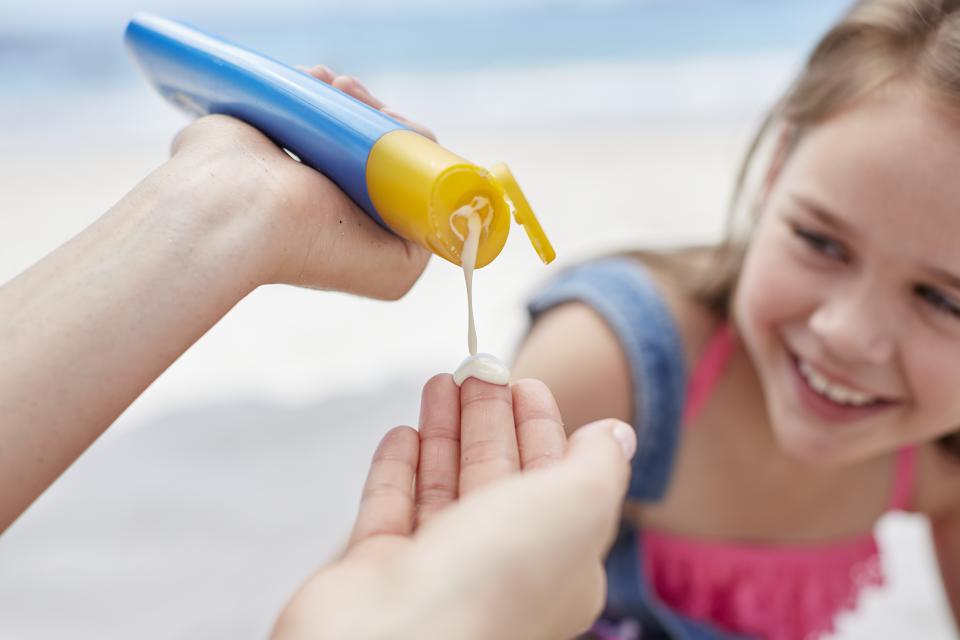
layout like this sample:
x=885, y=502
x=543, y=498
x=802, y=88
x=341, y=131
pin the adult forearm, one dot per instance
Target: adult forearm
x=88, y=328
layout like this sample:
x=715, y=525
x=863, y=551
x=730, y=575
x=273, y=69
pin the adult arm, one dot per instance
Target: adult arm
x=89, y=327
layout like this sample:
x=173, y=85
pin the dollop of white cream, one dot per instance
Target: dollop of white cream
x=482, y=366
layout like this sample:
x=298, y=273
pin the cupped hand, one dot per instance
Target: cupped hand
x=308, y=232
x=486, y=523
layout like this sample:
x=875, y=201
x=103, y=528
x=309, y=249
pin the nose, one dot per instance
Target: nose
x=855, y=326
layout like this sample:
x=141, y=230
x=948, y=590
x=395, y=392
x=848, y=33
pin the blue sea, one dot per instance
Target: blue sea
x=491, y=61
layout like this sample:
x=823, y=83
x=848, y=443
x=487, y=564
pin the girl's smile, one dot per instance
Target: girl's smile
x=833, y=401
x=845, y=304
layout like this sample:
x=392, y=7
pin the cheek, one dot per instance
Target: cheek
x=934, y=377
x=772, y=288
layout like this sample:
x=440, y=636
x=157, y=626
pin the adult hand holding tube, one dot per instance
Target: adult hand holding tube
x=301, y=228
x=228, y=212
x=400, y=178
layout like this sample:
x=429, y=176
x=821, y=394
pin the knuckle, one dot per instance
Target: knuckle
x=543, y=459
x=484, y=452
x=389, y=455
x=476, y=392
x=435, y=492
x=440, y=438
x=382, y=491
x=472, y=400
x=538, y=417
x=343, y=82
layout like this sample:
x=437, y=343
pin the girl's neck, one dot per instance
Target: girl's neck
x=743, y=411
x=733, y=479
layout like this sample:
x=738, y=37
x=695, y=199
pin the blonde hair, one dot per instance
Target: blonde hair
x=877, y=43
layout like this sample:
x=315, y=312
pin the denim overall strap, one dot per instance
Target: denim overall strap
x=629, y=598
x=622, y=292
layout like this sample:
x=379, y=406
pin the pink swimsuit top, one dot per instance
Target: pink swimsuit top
x=781, y=592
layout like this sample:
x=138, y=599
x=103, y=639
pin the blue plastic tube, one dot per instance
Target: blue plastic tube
x=404, y=181
x=204, y=74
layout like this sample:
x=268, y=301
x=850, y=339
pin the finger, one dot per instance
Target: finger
x=419, y=128
x=321, y=72
x=439, y=468
x=386, y=506
x=552, y=530
x=488, y=437
x=540, y=435
x=352, y=87
x=597, y=470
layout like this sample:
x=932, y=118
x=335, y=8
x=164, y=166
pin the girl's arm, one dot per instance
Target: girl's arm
x=573, y=350
x=946, y=539
x=88, y=328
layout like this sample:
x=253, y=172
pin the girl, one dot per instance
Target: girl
x=795, y=383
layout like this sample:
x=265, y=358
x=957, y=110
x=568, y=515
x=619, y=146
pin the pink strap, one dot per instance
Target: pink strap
x=904, y=474
x=708, y=370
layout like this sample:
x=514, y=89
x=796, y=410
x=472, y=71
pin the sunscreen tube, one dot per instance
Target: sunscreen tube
x=403, y=180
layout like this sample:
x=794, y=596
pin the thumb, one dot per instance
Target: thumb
x=599, y=435
x=597, y=460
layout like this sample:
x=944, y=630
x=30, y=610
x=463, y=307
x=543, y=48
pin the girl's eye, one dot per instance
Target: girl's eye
x=938, y=301
x=822, y=244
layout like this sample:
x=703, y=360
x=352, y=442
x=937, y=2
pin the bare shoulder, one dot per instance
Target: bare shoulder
x=579, y=356
x=937, y=489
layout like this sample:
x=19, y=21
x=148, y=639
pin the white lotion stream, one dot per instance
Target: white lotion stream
x=482, y=366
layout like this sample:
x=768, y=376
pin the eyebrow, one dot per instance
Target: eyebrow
x=834, y=221
x=946, y=277
x=823, y=215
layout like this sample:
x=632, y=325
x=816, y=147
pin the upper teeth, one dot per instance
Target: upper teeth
x=835, y=392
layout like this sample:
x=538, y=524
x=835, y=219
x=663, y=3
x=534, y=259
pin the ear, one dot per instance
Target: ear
x=786, y=142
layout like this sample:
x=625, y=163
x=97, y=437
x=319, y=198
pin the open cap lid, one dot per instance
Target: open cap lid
x=522, y=212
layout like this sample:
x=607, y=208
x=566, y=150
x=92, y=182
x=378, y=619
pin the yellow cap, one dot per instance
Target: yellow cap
x=523, y=214
x=415, y=185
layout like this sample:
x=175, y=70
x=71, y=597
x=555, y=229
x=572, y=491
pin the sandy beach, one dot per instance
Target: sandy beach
x=238, y=471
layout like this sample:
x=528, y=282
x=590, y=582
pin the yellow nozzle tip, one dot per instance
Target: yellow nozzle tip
x=523, y=214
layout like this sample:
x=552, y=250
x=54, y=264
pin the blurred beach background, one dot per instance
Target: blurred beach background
x=238, y=471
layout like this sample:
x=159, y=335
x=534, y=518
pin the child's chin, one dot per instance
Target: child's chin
x=803, y=444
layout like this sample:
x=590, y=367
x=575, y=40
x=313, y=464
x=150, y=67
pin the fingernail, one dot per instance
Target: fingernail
x=626, y=438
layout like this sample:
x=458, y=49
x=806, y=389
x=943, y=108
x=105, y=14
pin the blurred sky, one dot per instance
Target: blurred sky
x=369, y=35
x=45, y=13
x=75, y=114
x=650, y=58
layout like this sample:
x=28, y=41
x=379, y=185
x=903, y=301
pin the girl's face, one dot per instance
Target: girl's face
x=849, y=299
